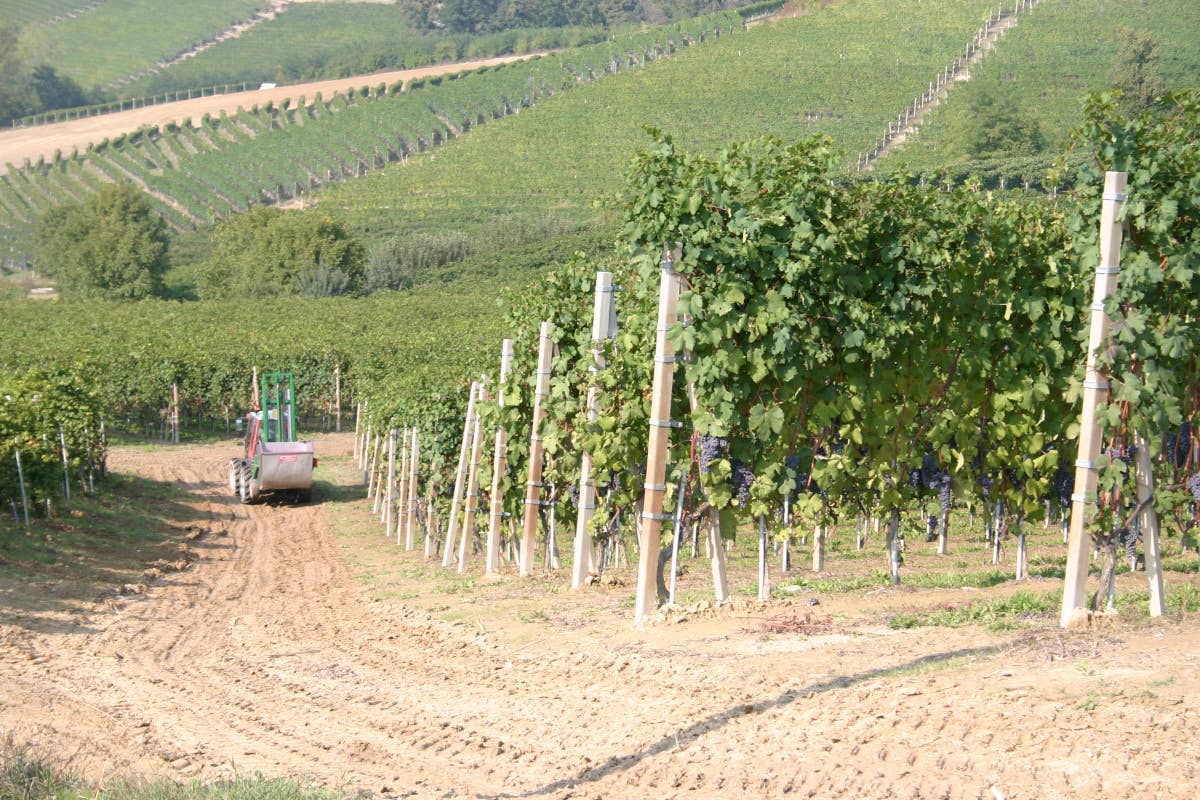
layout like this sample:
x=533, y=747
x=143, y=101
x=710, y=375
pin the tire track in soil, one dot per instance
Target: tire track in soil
x=267, y=655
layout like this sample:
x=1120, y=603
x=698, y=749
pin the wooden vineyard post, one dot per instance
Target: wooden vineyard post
x=402, y=488
x=1094, y=387
x=818, y=554
x=410, y=517
x=389, y=495
x=646, y=600
x=533, y=486
x=496, y=517
x=62, y=438
x=337, y=398
x=764, y=578
x=460, y=479
x=175, y=413
x=357, y=422
x=362, y=455
x=376, y=468
x=603, y=328
x=472, y=504
x=21, y=482
x=1149, y=527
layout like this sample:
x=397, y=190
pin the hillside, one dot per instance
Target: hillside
x=787, y=79
x=1045, y=66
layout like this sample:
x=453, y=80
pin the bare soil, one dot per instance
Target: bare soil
x=41, y=141
x=301, y=640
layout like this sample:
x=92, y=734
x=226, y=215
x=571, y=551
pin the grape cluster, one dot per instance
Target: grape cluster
x=1193, y=485
x=931, y=526
x=742, y=478
x=931, y=473
x=1015, y=478
x=712, y=448
x=1129, y=537
x=985, y=481
x=914, y=478
x=1064, y=486
x=945, y=497
x=1179, y=445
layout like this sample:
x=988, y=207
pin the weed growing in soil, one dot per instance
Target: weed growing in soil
x=1002, y=614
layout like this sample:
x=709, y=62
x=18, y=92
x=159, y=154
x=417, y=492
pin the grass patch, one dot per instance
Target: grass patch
x=1002, y=614
x=1184, y=564
x=257, y=787
x=123, y=521
x=28, y=774
x=951, y=580
x=853, y=583
x=1180, y=599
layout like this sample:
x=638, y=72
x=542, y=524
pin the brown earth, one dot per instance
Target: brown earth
x=299, y=640
x=41, y=141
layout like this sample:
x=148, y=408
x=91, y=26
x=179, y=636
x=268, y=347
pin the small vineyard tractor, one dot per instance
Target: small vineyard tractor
x=273, y=460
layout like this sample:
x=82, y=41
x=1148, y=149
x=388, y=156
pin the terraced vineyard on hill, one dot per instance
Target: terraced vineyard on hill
x=199, y=174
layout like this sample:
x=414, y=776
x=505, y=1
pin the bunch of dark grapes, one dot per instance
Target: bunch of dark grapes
x=1015, y=478
x=712, y=448
x=742, y=477
x=930, y=471
x=1129, y=537
x=914, y=478
x=1193, y=485
x=1179, y=445
x=985, y=481
x=931, y=526
x=944, y=487
x=1064, y=486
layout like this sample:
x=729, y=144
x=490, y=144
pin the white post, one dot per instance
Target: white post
x=62, y=438
x=533, y=486
x=410, y=518
x=1094, y=387
x=357, y=429
x=337, y=398
x=460, y=479
x=21, y=481
x=468, y=529
x=389, y=495
x=175, y=413
x=646, y=600
x=402, y=488
x=1149, y=526
x=492, y=562
x=603, y=328
x=764, y=584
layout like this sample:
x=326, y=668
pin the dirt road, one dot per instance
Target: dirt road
x=274, y=651
x=18, y=144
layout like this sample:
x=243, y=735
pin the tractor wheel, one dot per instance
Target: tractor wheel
x=234, y=475
x=247, y=485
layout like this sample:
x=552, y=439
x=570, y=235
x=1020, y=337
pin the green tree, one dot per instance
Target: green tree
x=51, y=90
x=994, y=126
x=112, y=245
x=269, y=252
x=1137, y=71
x=13, y=84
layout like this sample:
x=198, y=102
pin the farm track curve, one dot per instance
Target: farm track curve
x=41, y=141
x=269, y=654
